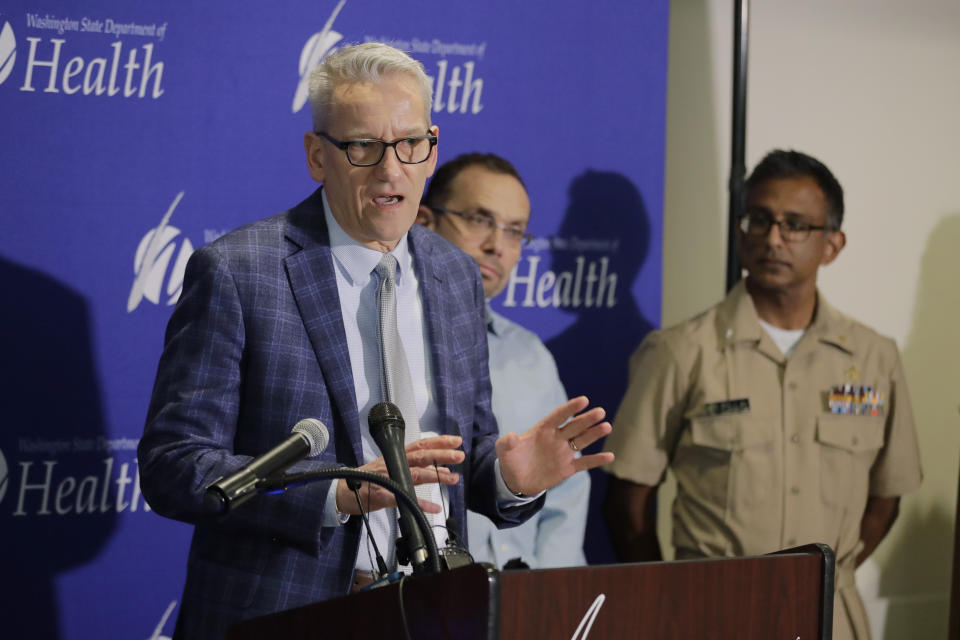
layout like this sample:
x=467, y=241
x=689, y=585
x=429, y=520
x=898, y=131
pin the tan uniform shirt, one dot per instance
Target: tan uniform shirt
x=779, y=469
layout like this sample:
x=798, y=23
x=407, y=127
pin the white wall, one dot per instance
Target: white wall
x=872, y=88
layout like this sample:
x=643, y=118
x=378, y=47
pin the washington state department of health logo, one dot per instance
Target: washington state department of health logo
x=151, y=264
x=4, y=476
x=158, y=631
x=8, y=51
x=319, y=45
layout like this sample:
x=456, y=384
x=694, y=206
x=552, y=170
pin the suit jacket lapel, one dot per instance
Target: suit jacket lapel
x=314, y=286
x=434, y=300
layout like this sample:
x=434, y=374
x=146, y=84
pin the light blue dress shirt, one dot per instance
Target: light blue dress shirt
x=526, y=387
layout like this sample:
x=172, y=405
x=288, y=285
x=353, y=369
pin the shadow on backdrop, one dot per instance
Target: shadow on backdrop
x=48, y=397
x=918, y=563
x=592, y=354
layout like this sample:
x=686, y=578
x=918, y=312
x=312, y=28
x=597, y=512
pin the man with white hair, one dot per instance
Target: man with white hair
x=279, y=321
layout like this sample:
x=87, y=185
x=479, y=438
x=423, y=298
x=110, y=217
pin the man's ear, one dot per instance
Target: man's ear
x=426, y=217
x=836, y=241
x=312, y=146
x=435, y=152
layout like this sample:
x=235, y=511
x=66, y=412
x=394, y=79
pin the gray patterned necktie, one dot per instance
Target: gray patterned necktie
x=394, y=371
x=395, y=379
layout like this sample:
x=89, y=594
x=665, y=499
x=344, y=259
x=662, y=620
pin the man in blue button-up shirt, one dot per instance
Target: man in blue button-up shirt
x=479, y=203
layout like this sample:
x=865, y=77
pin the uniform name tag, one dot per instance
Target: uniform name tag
x=727, y=407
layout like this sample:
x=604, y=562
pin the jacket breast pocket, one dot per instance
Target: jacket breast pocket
x=848, y=447
x=726, y=460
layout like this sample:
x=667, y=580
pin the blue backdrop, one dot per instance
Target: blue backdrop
x=133, y=132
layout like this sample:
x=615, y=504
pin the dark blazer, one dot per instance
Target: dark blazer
x=257, y=343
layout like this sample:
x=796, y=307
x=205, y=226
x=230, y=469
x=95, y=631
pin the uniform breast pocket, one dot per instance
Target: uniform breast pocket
x=726, y=458
x=848, y=447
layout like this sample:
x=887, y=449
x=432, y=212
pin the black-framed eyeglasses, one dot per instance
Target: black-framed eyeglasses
x=480, y=225
x=757, y=225
x=366, y=152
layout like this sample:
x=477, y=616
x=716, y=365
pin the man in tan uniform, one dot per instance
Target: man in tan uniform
x=784, y=421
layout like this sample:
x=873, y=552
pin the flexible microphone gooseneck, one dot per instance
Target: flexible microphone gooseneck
x=309, y=438
x=281, y=483
x=387, y=428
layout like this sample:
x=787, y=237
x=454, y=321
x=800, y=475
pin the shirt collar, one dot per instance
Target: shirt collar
x=493, y=319
x=831, y=326
x=738, y=320
x=356, y=261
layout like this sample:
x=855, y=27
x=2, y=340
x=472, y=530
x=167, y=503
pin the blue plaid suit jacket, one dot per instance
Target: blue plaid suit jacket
x=257, y=343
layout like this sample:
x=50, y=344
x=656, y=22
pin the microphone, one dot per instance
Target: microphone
x=309, y=438
x=387, y=428
x=454, y=555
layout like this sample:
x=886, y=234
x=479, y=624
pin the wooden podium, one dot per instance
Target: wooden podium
x=785, y=595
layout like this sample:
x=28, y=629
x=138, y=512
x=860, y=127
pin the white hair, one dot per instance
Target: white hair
x=368, y=62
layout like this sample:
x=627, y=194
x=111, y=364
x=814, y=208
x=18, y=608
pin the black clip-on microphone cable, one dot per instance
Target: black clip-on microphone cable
x=453, y=554
x=382, y=572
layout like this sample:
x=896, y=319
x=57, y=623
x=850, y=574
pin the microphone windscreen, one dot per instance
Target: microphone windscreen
x=385, y=411
x=316, y=434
